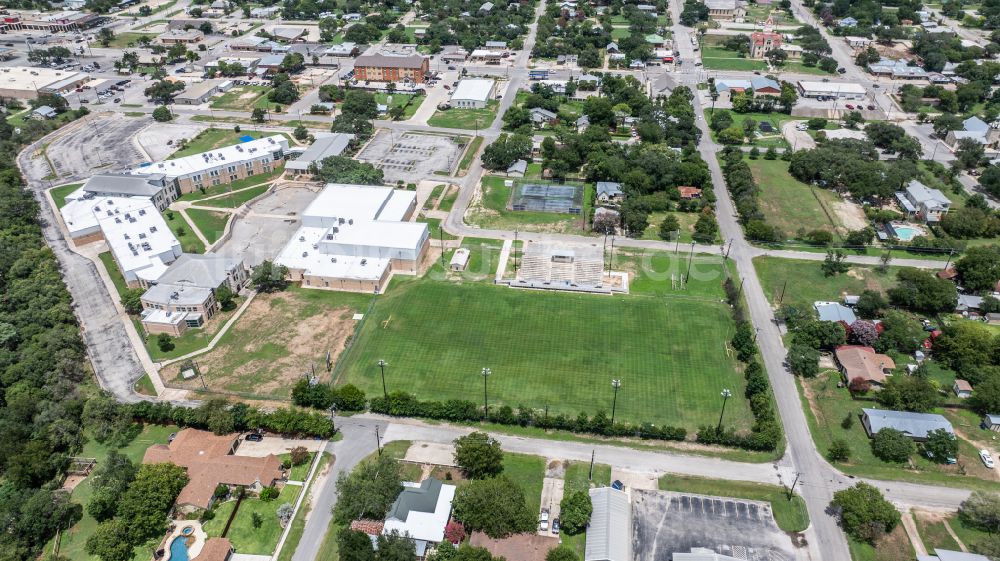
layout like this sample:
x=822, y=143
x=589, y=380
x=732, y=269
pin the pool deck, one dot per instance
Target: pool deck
x=198, y=534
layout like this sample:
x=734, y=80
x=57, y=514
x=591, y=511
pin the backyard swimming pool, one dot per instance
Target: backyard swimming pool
x=904, y=231
x=178, y=549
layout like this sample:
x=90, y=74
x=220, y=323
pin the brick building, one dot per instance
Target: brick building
x=386, y=68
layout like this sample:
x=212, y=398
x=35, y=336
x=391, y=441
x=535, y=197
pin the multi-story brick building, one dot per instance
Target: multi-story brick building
x=387, y=68
x=763, y=41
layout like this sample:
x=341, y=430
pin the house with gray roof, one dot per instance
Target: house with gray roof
x=541, y=116
x=421, y=511
x=921, y=202
x=834, y=311
x=975, y=129
x=609, y=535
x=913, y=425
x=518, y=168
x=948, y=555
x=968, y=302
x=325, y=146
x=897, y=69
x=44, y=112
x=609, y=192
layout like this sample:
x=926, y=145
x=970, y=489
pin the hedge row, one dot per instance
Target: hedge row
x=220, y=417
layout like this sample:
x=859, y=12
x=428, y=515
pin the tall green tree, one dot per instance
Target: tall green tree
x=479, y=455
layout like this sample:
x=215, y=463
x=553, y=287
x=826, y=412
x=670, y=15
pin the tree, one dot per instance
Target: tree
x=368, y=491
x=165, y=342
x=968, y=154
x=257, y=115
x=864, y=332
x=454, y=532
x=495, y=506
x=575, y=510
x=132, y=300
x=300, y=133
x=342, y=169
x=870, y=304
x=859, y=386
x=981, y=510
x=506, y=150
x=285, y=513
x=268, y=277
x=110, y=480
x=900, y=331
x=354, y=545
x=395, y=547
x=803, y=360
x=864, y=512
x=979, y=267
x=705, y=228
x=986, y=398
x=909, y=393
x=941, y=446
x=891, y=445
x=293, y=63
x=669, y=227
x=256, y=519
x=835, y=263
x=479, y=455
x=923, y=291
x=163, y=91
x=162, y=114
x=224, y=296
x=945, y=123
x=105, y=36
x=840, y=451
x=268, y=494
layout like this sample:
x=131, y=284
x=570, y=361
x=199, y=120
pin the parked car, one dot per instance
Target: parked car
x=254, y=437
x=118, y=100
x=842, y=70
x=451, y=67
x=447, y=87
x=555, y=525
x=617, y=485
x=987, y=459
x=801, y=127
x=543, y=520
x=849, y=106
x=871, y=107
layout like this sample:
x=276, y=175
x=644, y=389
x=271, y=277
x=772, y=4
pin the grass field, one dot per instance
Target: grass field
x=247, y=539
x=436, y=233
x=236, y=198
x=182, y=231
x=790, y=515
x=242, y=98
x=471, y=151
x=127, y=39
x=492, y=211
x=210, y=139
x=789, y=204
x=409, y=102
x=191, y=340
x=762, y=141
x=449, y=199
x=685, y=220
x=933, y=533
x=828, y=407
x=59, y=193
x=484, y=257
x=714, y=57
x=72, y=542
x=807, y=284
x=211, y=223
x=299, y=472
x=894, y=547
x=543, y=350
x=279, y=337
x=469, y=119
x=113, y=271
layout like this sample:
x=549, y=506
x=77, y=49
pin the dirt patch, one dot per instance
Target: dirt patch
x=72, y=481
x=851, y=216
x=280, y=338
x=556, y=469
x=856, y=274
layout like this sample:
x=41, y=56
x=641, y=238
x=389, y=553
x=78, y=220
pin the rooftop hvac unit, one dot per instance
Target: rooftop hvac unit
x=364, y=262
x=142, y=212
x=333, y=260
x=135, y=253
x=351, y=222
x=174, y=295
x=302, y=238
x=315, y=246
x=118, y=220
x=152, y=229
x=128, y=238
x=305, y=254
x=142, y=235
x=110, y=202
x=340, y=221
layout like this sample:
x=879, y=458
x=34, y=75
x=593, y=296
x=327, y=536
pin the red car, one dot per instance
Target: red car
x=849, y=106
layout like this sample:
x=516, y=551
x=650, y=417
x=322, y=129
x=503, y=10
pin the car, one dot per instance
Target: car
x=447, y=87
x=84, y=101
x=555, y=525
x=849, y=106
x=451, y=67
x=842, y=70
x=8, y=44
x=617, y=485
x=801, y=127
x=118, y=100
x=876, y=86
x=987, y=458
x=254, y=437
x=699, y=63
x=871, y=108
x=543, y=520
x=757, y=72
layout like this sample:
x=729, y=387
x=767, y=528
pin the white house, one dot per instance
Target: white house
x=421, y=511
x=921, y=202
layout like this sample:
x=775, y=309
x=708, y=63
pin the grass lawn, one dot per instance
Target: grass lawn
x=470, y=153
x=116, y=275
x=279, y=337
x=484, y=258
x=465, y=118
x=894, y=547
x=145, y=386
x=236, y=199
x=242, y=98
x=762, y=141
x=190, y=242
x=72, y=542
x=828, y=408
x=59, y=193
x=438, y=335
x=791, y=205
x=449, y=199
x=210, y=139
x=247, y=539
x=807, y=284
x=299, y=472
x=800, y=68
x=409, y=102
x=192, y=339
x=211, y=223
x=790, y=515
x=578, y=474
x=528, y=472
x=685, y=220
x=122, y=40
x=933, y=532
x=299, y=522
x=714, y=57
x=970, y=536
x=224, y=188
x=436, y=233
x=492, y=212
x=434, y=195
x=618, y=33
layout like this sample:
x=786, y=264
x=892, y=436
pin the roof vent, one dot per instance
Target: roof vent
x=351, y=222
x=333, y=260
x=305, y=254
x=364, y=262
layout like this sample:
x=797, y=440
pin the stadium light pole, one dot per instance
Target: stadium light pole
x=726, y=394
x=486, y=405
x=616, y=383
x=381, y=366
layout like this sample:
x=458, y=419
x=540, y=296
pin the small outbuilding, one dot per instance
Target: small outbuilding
x=459, y=260
x=962, y=388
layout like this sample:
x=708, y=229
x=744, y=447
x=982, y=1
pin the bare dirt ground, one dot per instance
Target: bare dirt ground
x=72, y=481
x=279, y=339
x=851, y=215
x=431, y=453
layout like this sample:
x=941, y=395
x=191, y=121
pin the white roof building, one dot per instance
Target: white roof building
x=474, y=90
x=139, y=238
x=227, y=155
x=355, y=232
x=609, y=535
x=837, y=89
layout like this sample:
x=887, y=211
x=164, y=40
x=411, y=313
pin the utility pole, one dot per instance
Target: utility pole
x=486, y=405
x=378, y=442
x=687, y=277
x=740, y=293
x=951, y=253
x=515, y=253
x=591, y=476
x=791, y=491
x=616, y=383
x=381, y=365
x=782, y=297
x=726, y=394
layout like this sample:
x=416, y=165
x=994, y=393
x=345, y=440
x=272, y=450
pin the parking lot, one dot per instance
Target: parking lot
x=74, y=155
x=411, y=156
x=664, y=523
x=264, y=231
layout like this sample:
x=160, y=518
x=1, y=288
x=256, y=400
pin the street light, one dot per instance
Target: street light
x=726, y=394
x=381, y=365
x=486, y=406
x=616, y=383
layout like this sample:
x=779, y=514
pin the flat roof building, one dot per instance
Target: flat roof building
x=353, y=237
x=221, y=165
x=388, y=68
x=841, y=90
x=198, y=93
x=26, y=82
x=473, y=93
x=181, y=36
x=325, y=146
x=140, y=240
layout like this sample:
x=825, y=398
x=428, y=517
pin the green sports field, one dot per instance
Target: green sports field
x=554, y=349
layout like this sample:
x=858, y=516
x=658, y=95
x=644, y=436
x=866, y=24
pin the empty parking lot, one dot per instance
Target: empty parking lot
x=412, y=156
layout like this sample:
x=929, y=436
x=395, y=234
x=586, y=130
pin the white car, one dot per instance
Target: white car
x=543, y=520
x=987, y=458
x=801, y=127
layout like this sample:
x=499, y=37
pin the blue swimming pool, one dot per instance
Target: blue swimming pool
x=178, y=549
x=905, y=233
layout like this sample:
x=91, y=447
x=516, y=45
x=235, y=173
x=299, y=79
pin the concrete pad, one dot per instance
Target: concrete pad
x=636, y=480
x=411, y=156
x=552, y=495
x=431, y=453
x=275, y=445
x=153, y=139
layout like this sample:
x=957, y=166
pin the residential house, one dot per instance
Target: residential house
x=835, y=311
x=210, y=461
x=655, y=41
x=975, y=129
x=689, y=193
x=612, y=47
x=857, y=361
x=517, y=169
x=421, y=511
x=609, y=534
x=582, y=123
x=609, y=192
x=991, y=422
x=541, y=117
x=968, y=303
x=922, y=202
x=913, y=425
x=962, y=388
x=858, y=42
x=44, y=113
x=847, y=22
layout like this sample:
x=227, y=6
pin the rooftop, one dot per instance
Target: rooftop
x=138, y=236
x=475, y=89
x=388, y=61
x=325, y=146
x=864, y=362
x=914, y=425
x=609, y=535
x=205, y=271
x=834, y=311
x=236, y=153
x=421, y=510
x=110, y=184
x=35, y=78
x=831, y=87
